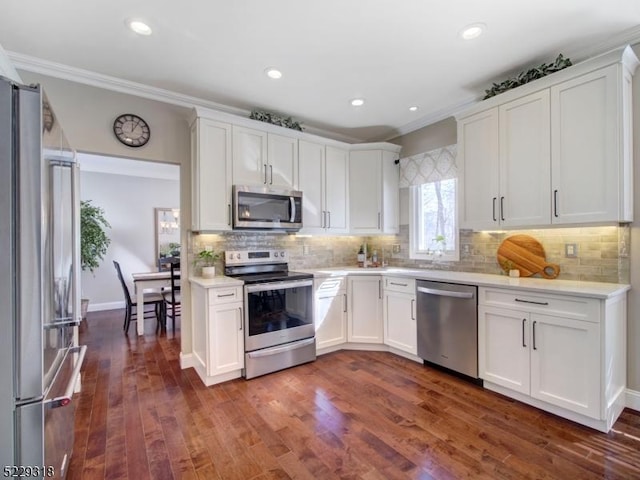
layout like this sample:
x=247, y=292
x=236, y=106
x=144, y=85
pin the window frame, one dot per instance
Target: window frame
x=414, y=211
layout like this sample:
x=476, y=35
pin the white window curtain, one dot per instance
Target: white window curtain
x=432, y=166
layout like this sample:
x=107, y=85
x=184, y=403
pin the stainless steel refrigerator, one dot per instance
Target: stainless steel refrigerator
x=40, y=359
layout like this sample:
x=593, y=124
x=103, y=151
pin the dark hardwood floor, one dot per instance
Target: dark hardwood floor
x=351, y=415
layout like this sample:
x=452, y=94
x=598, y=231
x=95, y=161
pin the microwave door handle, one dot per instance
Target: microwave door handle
x=293, y=209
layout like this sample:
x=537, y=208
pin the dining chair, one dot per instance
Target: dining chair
x=172, y=305
x=154, y=299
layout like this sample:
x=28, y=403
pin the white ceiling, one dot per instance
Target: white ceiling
x=392, y=53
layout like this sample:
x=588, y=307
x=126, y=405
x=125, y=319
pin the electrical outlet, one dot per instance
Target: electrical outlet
x=396, y=248
x=571, y=250
x=306, y=249
x=208, y=248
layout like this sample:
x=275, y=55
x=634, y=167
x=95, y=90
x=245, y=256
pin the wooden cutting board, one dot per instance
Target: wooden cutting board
x=525, y=253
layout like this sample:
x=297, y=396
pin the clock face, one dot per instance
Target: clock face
x=131, y=130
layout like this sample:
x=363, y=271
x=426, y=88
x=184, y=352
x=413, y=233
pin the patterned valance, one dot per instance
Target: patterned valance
x=433, y=166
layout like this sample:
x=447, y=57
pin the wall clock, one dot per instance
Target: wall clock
x=131, y=130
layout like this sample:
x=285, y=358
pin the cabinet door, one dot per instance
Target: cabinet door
x=249, y=157
x=503, y=347
x=311, y=179
x=226, y=339
x=565, y=363
x=525, y=161
x=336, y=185
x=478, y=156
x=211, y=175
x=585, y=150
x=390, y=193
x=365, y=191
x=331, y=320
x=282, y=162
x=400, y=329
x=365, y=323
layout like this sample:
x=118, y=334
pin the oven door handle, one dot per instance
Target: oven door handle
x=263, y=287
x=265, y=352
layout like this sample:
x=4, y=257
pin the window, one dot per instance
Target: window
x=433, y=224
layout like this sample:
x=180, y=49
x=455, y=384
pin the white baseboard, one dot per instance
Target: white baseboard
x=98, y=307
x=187, y=360
x=633, y=400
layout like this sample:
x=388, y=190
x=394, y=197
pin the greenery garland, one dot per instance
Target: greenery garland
x=528, y=76
x=275, y=119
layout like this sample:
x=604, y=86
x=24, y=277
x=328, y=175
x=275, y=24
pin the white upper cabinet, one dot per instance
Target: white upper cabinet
x=322, y=172
x=590, y=117
x=554, y=151
x=261, y=158
x=373, y=191
x=210, y=175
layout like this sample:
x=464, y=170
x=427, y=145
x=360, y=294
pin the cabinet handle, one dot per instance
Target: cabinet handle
x=226, y=295
x=241, y=317
x=379, y=215
x=502, y=208
x=494, y=209
x=380, y=289
x=265, y=173
x=345, y=302
x=555, y=203
x=531, y=301
x=271, y=172
x=324, y=217
x=534, y=335
x=524, y=321
x=329, y=216
x=399, y=284
x=413, y=301
x=229, y=214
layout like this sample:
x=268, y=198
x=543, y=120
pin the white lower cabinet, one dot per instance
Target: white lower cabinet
x=365, y=323
x=218, y=335
x=331, y=311
x=559, y=353
x=399, y=313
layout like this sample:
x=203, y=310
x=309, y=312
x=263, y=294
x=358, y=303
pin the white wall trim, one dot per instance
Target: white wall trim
x=99, y=307
x=187, y=360
x=107, y=82
x=633, y=400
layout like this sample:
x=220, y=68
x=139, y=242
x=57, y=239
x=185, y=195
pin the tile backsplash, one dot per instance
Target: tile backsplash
x=602, y=252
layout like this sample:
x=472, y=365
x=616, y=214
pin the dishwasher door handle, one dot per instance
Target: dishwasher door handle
x=445, y=293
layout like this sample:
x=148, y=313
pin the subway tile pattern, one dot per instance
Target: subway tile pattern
x=602, y=252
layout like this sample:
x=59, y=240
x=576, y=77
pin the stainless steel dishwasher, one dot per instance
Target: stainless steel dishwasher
x=447, y=318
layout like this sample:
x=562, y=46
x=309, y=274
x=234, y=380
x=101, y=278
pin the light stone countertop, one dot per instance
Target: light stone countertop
x=599, y=290
x=216, y=282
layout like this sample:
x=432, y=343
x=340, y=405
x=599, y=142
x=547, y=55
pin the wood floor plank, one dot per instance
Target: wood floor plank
x=348, y=415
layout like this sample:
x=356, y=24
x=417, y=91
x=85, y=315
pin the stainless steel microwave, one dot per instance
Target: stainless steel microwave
x=264, y=208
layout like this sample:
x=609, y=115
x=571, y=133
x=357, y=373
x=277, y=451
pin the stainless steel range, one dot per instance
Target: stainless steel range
x=278, y=305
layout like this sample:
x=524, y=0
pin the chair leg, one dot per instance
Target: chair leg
x=127, y=319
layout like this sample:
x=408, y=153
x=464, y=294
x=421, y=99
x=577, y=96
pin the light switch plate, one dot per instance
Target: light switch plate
x=396, y=248
x=571, y=250
x=306, y=249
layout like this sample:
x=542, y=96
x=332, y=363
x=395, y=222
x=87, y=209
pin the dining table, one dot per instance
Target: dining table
x=144, y=281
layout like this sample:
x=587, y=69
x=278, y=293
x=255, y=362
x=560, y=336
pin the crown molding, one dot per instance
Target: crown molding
x=106, y=82
x=630, y=36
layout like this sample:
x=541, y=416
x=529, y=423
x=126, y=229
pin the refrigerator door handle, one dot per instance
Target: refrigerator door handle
x=65, y=399
x=75, y=265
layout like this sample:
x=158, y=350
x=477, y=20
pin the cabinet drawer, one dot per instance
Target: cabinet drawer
x=581, y=308
x=400, y=284
x=225, y=295
x=330, y=286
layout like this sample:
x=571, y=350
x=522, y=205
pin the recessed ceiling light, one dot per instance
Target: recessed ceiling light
x=139, y=27
x=357, y=102
x=413, y=109
x=472, y=31
x=273, y=73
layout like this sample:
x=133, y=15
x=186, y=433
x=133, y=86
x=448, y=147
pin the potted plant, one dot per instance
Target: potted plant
x=93, y=240
x=207, y=258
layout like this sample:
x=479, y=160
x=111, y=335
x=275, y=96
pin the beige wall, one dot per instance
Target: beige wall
x=87, y=113
x=428, y=138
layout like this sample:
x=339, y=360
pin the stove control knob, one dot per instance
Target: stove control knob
x=282, y=254
x=238, y=256
x=275, y=254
